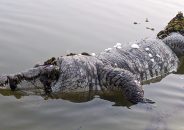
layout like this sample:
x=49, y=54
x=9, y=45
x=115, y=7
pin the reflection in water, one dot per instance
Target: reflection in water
x=181, y=68
x=159, y=120
x=10, y=93
x=77, y=97
x=171, y=107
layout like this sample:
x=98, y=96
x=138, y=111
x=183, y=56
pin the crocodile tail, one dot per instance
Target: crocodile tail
x=123, y=80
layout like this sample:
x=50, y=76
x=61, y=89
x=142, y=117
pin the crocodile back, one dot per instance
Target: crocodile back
x=146, y=59
x=78, y=73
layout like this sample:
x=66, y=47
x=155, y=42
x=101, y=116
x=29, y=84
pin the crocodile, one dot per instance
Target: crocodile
x=124, y=68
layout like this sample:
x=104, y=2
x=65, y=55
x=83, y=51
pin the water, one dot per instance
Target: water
x=35, y=30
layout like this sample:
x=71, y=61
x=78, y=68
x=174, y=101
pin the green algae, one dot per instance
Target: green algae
x=181, y=67
x=9, y=92
x=175, y=25
x=51, y=61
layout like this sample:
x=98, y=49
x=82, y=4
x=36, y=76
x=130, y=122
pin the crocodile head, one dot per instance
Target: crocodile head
x=21, y=86
x=35, y=81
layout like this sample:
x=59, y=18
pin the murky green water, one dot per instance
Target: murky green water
x=34, y=30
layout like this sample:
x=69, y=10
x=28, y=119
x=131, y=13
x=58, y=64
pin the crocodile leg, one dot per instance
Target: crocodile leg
x=123, y=80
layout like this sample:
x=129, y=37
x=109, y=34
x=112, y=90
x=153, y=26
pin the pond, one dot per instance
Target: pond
x=32, y=31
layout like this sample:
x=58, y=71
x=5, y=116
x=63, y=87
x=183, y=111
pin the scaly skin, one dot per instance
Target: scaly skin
x=123, y=68
x=149, y=58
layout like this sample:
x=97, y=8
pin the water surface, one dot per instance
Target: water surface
x=35, y=30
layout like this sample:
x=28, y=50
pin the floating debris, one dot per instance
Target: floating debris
x=135, y=23
x=152, y=60
x=71, y=54
x=146, y=20
x=108, y=49
x=135, y=46
x=152, y=29
x=147, y=49
x=93, y=54
x=150, y=55
x=118, y=45
x=136, y=81
x=85, y=53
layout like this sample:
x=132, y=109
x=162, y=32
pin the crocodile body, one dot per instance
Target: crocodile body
x=123, y=68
